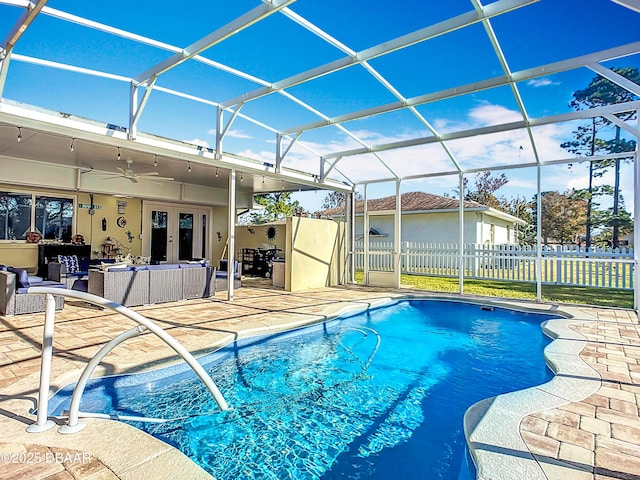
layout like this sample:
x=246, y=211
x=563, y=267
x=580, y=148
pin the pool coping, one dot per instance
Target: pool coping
x=492, y=426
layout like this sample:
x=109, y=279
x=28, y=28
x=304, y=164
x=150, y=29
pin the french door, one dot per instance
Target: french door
x=174, y=233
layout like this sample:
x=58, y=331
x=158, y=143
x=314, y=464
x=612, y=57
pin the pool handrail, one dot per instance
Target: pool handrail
x=42, y=422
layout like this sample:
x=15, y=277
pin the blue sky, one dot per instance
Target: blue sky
x=276, y=48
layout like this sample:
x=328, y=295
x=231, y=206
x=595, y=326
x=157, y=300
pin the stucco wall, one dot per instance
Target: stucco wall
x=315, y=253
x=18, y=253
x=437, y=228
x=254, y=236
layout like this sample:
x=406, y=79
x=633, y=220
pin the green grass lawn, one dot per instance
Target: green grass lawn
x=609, y=297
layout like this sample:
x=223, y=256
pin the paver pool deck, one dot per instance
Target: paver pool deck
x=585, y=426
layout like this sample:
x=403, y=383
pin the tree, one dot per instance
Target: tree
x=485, y=187
x=563, y=217
x=277, y=206
x=521, y=208
x=335, y=199
x=486, y=184
x=602, y=92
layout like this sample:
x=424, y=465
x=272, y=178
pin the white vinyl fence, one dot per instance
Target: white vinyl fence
x=560, y=265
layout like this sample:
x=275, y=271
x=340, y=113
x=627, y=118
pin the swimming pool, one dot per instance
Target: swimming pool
x=374, y=395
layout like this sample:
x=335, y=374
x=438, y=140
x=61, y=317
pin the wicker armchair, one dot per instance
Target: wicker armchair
x=13, y=297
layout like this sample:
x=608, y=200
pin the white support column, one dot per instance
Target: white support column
x=133, y=110
x=231, y=247
x=461, y=237
x=278, y=152
x=397, y=236
x=219, y=126
x=365, y=230
x=352, y=235
x=5, y=57
x=539, y=239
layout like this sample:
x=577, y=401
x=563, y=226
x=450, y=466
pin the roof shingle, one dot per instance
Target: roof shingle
x=410, y=202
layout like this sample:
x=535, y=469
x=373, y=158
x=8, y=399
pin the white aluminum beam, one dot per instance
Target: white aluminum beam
x=367, y=66
x=615, y=78
x=613, y=119
x=244, y=21
x=135, y=108
x=630, y=4
x=18, y=29
x=596, y=158
x=21, y=25
x=520, y=76
x=507, y=71
x=497, y=8
x=576, y=115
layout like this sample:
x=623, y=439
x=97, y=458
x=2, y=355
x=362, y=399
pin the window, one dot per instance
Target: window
x=21, y=213
x=54, y=218
x=15, y=215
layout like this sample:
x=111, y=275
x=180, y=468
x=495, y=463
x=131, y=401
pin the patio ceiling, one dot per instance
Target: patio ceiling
x=300, y=95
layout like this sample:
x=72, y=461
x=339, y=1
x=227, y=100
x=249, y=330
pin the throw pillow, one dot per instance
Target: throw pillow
x=108, y=266
x=70, y=262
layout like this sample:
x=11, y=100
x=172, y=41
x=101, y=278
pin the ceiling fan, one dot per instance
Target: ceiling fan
x=129, y=174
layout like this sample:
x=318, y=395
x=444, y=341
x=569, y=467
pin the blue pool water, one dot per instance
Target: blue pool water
x=377, y=395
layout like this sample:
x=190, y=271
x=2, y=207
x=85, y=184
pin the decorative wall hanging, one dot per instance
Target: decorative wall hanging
x=77, y=240
x=121, y=222
x=33, y=237
x=271, y=232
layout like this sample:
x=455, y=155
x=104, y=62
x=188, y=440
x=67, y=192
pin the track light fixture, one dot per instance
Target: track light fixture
x=189, y=163
x=19, y=139
x=241, y=179
x=71, y=146
x=155, y=160
x=263, y=179
x=119, y=156
x=216, y=172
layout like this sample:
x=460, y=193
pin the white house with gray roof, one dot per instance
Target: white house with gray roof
x=434, y=219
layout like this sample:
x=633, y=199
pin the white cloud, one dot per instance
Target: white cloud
x=232, y=133
x=238, y=134
x=541, y=82
x=488, y=114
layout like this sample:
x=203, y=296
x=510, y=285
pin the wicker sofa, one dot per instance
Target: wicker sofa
x=148, y=284
x=14, y=299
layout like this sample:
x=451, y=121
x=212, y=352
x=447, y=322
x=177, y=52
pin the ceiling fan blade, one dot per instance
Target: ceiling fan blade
x=146, y=176
x=123, y=172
